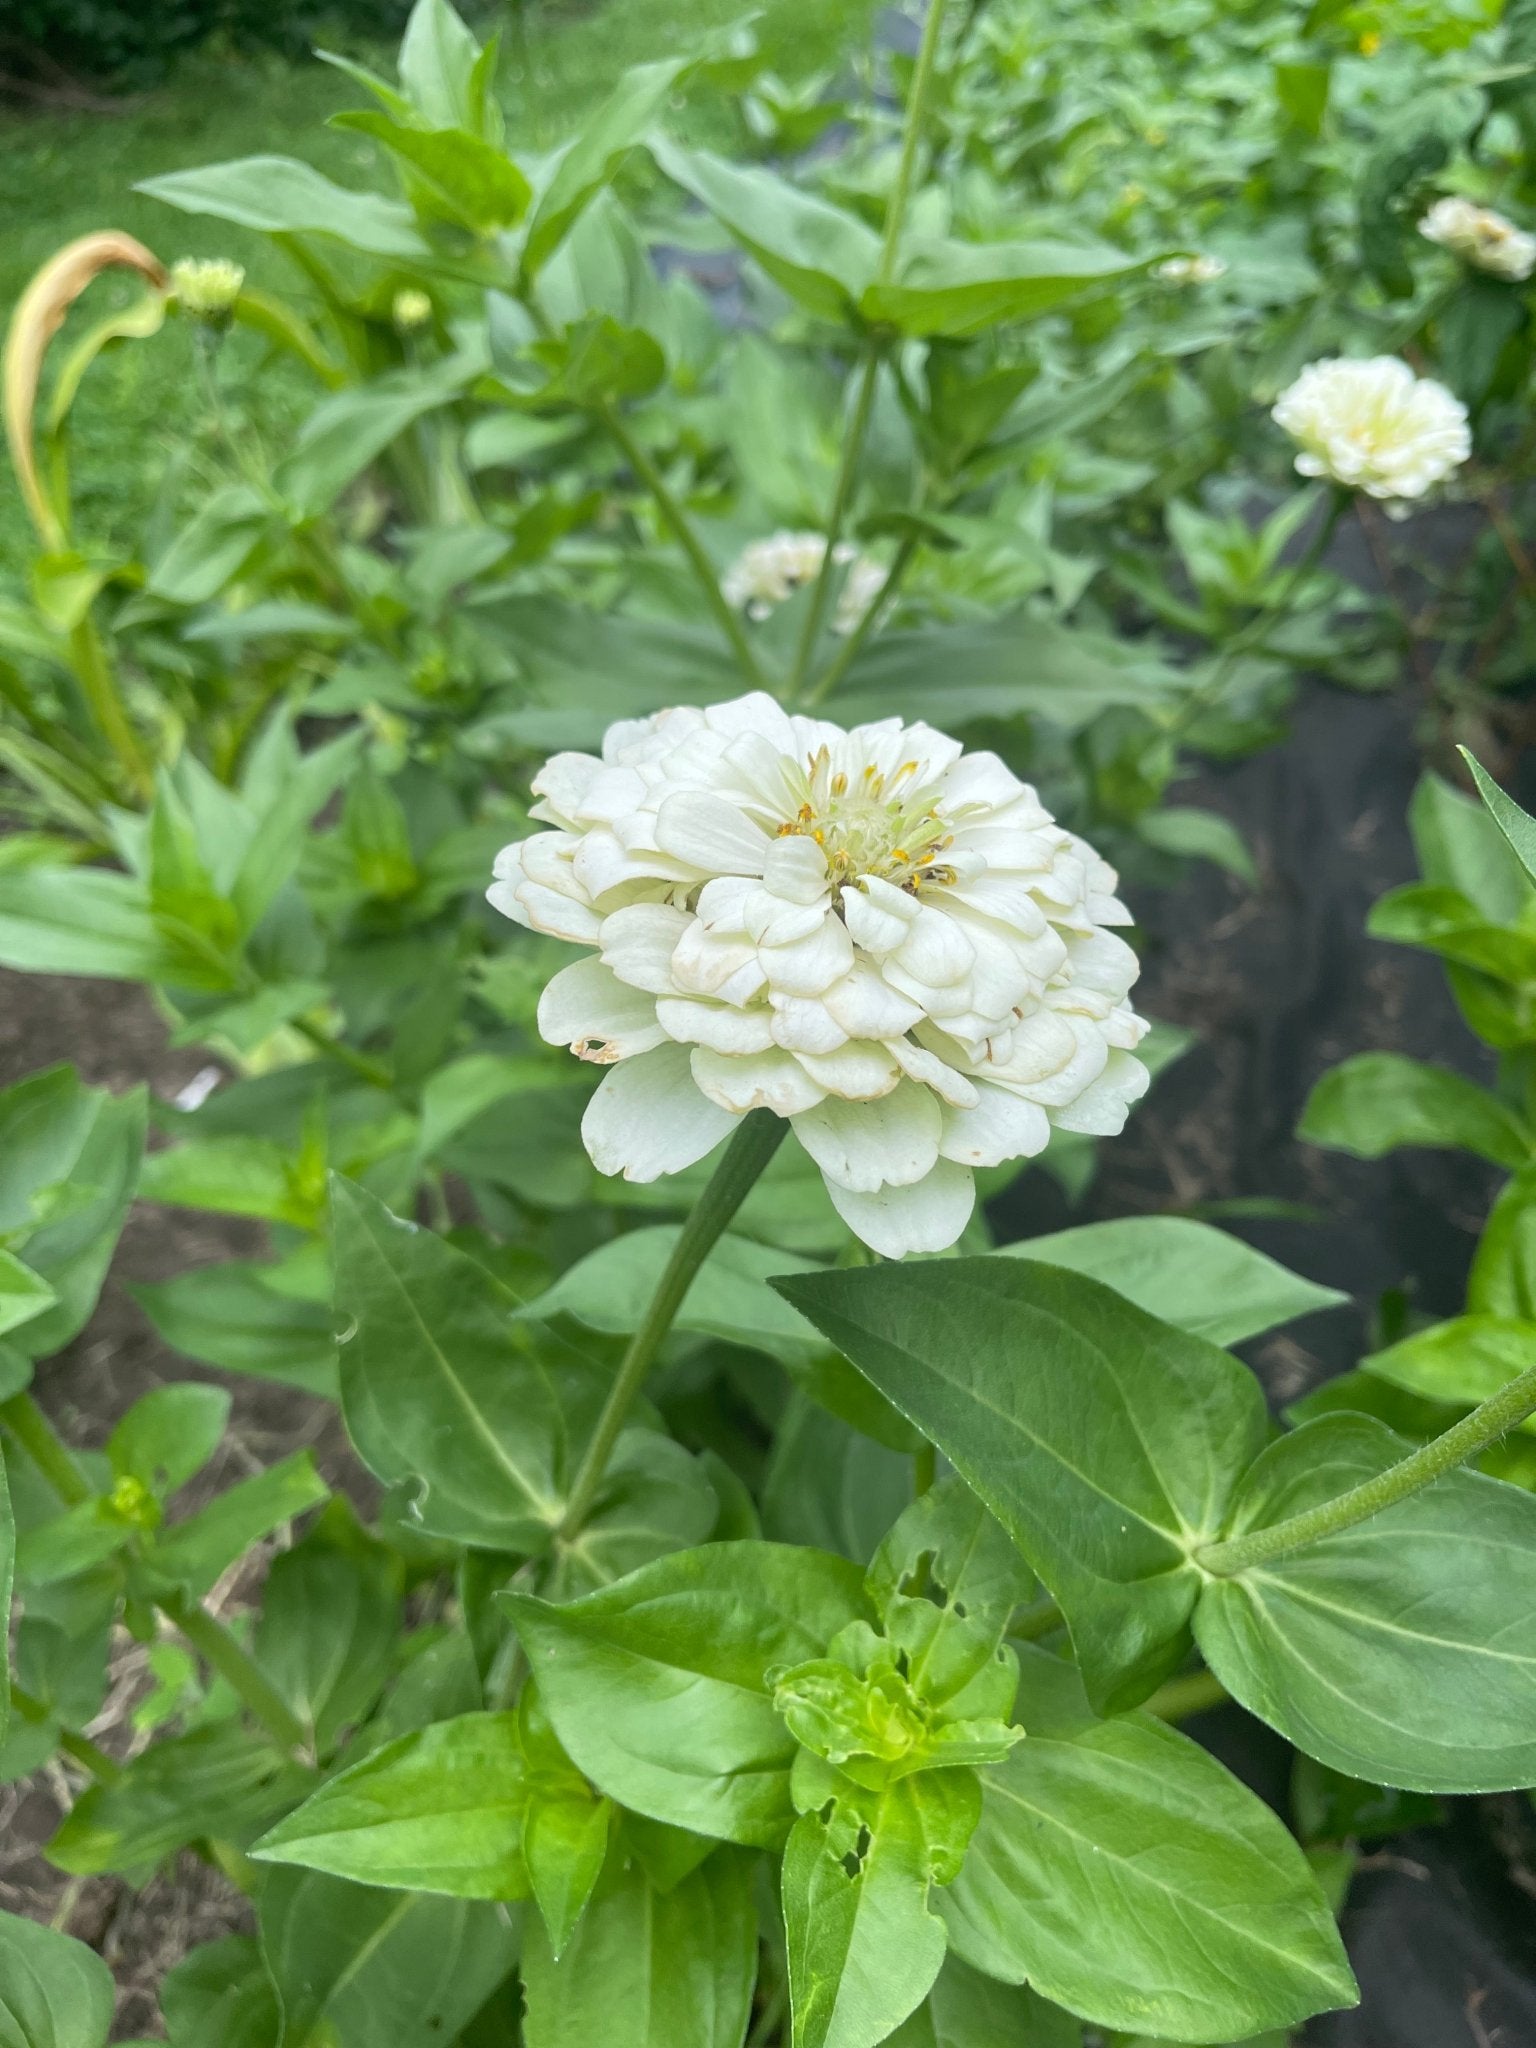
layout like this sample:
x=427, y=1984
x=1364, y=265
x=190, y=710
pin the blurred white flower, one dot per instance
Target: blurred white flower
x=1372, y=425
x=1481, y=237
x=207, y=287
x=872, y=933
x=766, y=572
x=411, y=310
x=1191, y=270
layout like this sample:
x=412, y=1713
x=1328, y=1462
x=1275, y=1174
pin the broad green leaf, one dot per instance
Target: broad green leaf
x=831, y=1487
x=23, y=1293
x=657, y=1686
x=7, y=1577
x=1186, y=1273
x=1194, y=834
x=329, y=1620
x=592, y=158
x=438, y=58
x=945, y=1583
x=235, y=1176
x=168, y=1434
x=196, y=1552
x=1518, y=826
x=1460, y=846
x=54, y=1991
x=67, y=1544
x=440, y=1811
x=1379, y=1100
x=280, y=196
x=611, y=1288
x=1450, y=924
x=217, y=1781
x=1503, y=1277
x=864, y=1945
x=567, y=1826
x=383, y=1969
x=1127, y=1876
x=957, y=289
x=1401, y=1651
x=457, y=1094
x=1105, y=1442
x=214, y=546
x=220, y=1997
x=439, y=1386
x=461, y=177
x=1462, y=1361
x=227, y=1315
x=822, y=257
x=649, y=1969
x=351, y=428
x=967, y=2010
x=656, y=1497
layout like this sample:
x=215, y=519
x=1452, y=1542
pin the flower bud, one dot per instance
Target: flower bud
x=207, y=287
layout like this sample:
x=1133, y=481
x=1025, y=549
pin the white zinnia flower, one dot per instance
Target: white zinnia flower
x=1481, y=237
x=766, y=572
x=1191, y=270
x=872, y=933
x=1373, y=426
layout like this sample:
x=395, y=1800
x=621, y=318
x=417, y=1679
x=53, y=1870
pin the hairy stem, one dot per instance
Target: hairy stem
x=682, y=529
x=1485, y=1425
x=754, y=1143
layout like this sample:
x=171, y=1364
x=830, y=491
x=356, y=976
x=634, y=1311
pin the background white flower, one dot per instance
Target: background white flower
x=1190, y=269
x=1481, y=237
x=872, y=933
x=1372, y=425
x=766, y=572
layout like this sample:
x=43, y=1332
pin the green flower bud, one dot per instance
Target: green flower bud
x=207, y=287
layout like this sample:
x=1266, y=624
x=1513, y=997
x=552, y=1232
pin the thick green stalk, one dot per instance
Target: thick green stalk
x=912, y=135
x=1444, y=1453
x=682, y=529
x=756, y=1140
x=93, y=671
x=225, y=1655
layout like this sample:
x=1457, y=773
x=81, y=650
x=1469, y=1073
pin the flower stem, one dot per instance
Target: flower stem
x=35, y=1433
x=32, y=1430
x=370, y=1070
x=853, y=446
x=85, y=1752
x=756, y=1140
x=93, y=672
x=1485, y=1425
x=682, y=529
x=227, y=1656
x=853, y=646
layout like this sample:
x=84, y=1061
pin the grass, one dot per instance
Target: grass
x=62, y=175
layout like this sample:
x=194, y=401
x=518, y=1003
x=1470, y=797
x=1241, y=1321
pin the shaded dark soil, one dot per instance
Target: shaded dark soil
x=1278, y=984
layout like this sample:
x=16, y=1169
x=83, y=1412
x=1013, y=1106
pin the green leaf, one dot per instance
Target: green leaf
x=657, y=1686
x=351, y=428
x=214, y=546
x=169, y=1434
x=611, y=1288
x=958, y=289
x=439, y=1811
x=1129, y=1877
x=439, y=1386
x=1518, y=826
x=1105, y=1442
x=1461, y=847
x=455, y=1095
x=1462, y=1361
x=280, y=196
x=1186, y=1273
x=438, y=59
x=566, y=1826
x=385, y=1969
x=82, y=921
x=1199, y=835
x=592, y=159
x=216, y=1782
x=329, y=1620
x=822, y=257
x=831, y=1487
x=864, y=1946
x=23, y=1293
x=234, y=1176
x=649, y=1969
x=194, y=1553
x=1403, y=1650
x=1379, y=1100
x=229, y=1316
x=69, y=1162
x=1503, y=1277
x=220, y=1997
x=54, y=1991
x=967, y=2010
